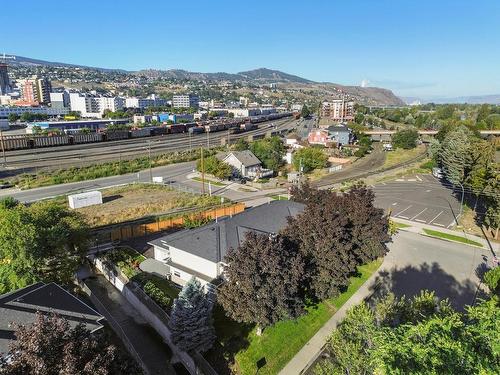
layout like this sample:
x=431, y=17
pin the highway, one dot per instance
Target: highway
x=19, y=161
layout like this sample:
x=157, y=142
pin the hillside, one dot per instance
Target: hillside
x=365, y=95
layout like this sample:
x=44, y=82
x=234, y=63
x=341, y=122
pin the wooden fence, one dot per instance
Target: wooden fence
x=126, y=231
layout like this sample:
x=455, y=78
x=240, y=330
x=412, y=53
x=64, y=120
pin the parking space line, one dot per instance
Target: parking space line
x=425, y=209
x=403, y=217
x=441, y=225
x=422, y=221
x=399, y=213
x=395, y=203
x=418, y=178
x=452, y=223
x=435, y=217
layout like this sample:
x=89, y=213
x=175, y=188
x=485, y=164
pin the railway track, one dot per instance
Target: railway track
x=92, y=153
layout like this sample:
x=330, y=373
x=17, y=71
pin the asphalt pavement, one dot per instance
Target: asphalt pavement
x=421, y=198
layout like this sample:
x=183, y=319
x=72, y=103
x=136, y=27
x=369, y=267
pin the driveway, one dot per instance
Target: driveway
x=414, y=262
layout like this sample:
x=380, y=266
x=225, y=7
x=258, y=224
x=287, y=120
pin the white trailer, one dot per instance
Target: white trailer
x=157, y=180
x=89, y=198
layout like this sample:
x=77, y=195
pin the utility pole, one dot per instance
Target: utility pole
x=462, y=201
x=150, y=168
x=3, y=148
x=202, y=172
x=208, y=139
x=228, y=143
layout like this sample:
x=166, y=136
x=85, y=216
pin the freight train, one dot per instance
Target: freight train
x=19, y=142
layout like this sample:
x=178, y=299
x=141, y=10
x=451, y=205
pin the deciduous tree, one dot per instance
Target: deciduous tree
x=50, y=346
x=263, y=281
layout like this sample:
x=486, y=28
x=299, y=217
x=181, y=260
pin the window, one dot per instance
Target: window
x=177, y=274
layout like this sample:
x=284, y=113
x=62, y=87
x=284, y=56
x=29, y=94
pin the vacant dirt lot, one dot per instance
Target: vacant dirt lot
x=136, y=201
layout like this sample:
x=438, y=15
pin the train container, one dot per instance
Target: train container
x=178, y=128
x=197, y=130
x=16, y=143
x=210, y=128
x=190, y=125
x=56, y=140
x=87, y=138
x=116, y=135
x=138, y=133
x=248, y=126
x=159, y=130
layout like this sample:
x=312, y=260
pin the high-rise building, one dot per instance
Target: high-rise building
x=338, y=110
x=185, y=101
x=94, y=106
x=34, y=91
x=4, y=80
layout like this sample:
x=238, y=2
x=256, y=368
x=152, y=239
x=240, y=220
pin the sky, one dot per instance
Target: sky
x=421, y=48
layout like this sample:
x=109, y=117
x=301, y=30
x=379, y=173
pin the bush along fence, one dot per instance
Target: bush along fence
x=123, y=231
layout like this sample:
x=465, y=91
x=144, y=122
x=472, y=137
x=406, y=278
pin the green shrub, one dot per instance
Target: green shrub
x=157, y=295
x=492, y=279
x=195, y=221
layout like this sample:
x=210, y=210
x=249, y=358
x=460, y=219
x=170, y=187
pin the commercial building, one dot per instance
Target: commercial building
x=59, y=99
x=34, y=91
x=338, y=110
x=152, y=101
x=4, y=80
x=185, y=101
x=5, y=111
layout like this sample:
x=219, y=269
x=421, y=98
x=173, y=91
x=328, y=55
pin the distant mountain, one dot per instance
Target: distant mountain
x=479, y=99
x=268, y=75
x=27, y=61
x=365, y=95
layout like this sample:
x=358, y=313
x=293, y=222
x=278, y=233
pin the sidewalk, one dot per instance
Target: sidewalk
x=416, y=227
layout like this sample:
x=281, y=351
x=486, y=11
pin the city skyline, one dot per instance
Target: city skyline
x=415, y=49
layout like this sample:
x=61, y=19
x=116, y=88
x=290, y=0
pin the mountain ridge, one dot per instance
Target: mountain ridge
x=365, y=95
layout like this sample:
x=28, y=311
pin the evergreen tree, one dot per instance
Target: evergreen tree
x=191, y=319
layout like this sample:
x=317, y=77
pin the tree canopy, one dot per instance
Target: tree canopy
x=43, y=241
x=406, y=138
x=309, y=158
x=270, y=152
x=50, y=346
x=418, y=335
x=215, y=167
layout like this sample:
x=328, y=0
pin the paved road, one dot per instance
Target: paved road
x=420, y=198
x=414, y=263
x=92, y=153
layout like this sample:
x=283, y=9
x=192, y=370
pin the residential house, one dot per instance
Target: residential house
x=21, y=306
x=200, y=252
x=339, y=135
x=246, y=164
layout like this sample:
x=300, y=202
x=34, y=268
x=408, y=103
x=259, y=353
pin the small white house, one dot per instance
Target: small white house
x=246, y=164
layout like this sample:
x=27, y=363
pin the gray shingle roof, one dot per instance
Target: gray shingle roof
x=213, y=241
x=20, y=306
x=338, y=128
x=246, y=157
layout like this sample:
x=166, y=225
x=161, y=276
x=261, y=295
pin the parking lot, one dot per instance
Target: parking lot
x=420, y=198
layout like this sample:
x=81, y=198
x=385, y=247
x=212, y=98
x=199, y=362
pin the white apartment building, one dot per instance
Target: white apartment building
x=185, y=101
x=59, y=99
x=92, y=106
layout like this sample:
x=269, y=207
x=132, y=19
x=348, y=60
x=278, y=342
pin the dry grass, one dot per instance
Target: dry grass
x=136, y=201
x=400, y=155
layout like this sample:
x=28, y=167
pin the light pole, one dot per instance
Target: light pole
x=462, y=201
x=149, y=157
x=3, y=148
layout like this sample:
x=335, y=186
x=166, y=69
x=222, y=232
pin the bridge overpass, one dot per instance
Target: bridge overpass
x=386, y=135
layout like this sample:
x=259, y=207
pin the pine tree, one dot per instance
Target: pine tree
x=191, y=319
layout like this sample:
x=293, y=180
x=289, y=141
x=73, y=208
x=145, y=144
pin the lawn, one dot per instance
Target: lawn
x=279, y=197
x=400, y=155
x=216, y=183
x=451, y=237
x=279, y=343
x=401, y=225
